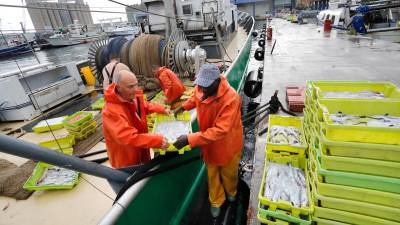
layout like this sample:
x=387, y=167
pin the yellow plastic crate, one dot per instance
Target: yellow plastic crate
x=77, y=119
x=49, y=124
x=320, y=221
x=296, y=161
x=348, y=217
x=360, y=150
x=185, y=116
x=286, y=121
x=88, y=128
x=357, y=165
x=390, y=91
x=363, y=208
x=280, y=217
x=354, y=193
x=63, y=143
x=379, y=183
x=357, y=133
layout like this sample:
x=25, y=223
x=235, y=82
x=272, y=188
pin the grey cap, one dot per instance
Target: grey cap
x=207, y=75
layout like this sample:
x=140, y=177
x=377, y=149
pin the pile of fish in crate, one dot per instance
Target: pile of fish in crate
x=284, y=193
x=353, y=133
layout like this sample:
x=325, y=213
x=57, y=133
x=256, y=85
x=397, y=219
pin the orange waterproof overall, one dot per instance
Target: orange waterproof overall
x=220, y=138
x=170, y=84
x=125, y=129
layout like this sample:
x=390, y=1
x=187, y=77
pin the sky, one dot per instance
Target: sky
x=11, y=17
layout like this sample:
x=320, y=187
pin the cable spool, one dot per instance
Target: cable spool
x=259, y=54
x=261, y=43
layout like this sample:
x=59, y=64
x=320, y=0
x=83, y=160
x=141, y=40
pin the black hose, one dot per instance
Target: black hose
x=273, y=47
x=140, y=176
x=254, y=110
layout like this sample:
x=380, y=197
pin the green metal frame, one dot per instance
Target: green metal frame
x=165, y=198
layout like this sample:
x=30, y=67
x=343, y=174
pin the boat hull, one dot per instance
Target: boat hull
x=14, y=50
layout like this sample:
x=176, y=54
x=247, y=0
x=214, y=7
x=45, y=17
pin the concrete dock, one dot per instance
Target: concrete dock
x=305, y=52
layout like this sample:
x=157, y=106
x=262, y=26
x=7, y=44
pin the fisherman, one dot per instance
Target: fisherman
x=170, y=84
x=125, y=125
x=114, y=66
x=220, y=136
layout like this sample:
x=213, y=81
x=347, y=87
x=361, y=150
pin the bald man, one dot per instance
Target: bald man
x=125, y=125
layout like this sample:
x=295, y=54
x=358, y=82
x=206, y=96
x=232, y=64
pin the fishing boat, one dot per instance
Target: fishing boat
x=169, y=188
x=13, y=50
x=77, y=34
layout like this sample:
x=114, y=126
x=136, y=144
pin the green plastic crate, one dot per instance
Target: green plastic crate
x=379, y=183
x=266, y=216
x=49, y=124
x=357, y=133
x=77, y=119
x=296, y=161
x=354, y=193
x=185, y=116
x=286, y=121
x=86, y=134
x=348, y=217
x=31, y=183
x=81, y=127
x=98, y=104
x=360, y=150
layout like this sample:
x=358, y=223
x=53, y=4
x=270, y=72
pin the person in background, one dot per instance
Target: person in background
x=220, y=136
x=124, y=123
x=170, y=84
x=114, y=66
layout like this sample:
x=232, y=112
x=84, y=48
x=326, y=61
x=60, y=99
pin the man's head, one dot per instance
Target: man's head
x=154, y=68
x=208, y=79
x=126, y=85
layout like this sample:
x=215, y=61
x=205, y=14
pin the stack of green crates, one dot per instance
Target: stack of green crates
x=80, y=124
x=283, y=212
x=354, y=170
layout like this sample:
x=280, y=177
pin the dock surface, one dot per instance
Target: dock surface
x=305, y=52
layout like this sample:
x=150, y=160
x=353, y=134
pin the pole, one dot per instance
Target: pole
x=31, y=151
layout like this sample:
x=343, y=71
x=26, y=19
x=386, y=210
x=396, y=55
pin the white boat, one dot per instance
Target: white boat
x=77, y=34
x=122, y=30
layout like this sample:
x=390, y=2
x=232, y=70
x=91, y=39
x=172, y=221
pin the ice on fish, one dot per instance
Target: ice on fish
x=287, y=183
x=285, y=135
x=172, y=129
x=57, y=176
x=356, y=95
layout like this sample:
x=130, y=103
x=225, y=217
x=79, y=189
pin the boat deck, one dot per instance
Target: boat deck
x=305, y=52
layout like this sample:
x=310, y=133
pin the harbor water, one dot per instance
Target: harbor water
x=55, y=55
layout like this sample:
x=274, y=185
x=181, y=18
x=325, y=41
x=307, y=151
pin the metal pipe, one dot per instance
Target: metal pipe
x=256, y=114
x=31, y=151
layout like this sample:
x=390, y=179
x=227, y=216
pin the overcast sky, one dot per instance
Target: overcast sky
x=11, y=17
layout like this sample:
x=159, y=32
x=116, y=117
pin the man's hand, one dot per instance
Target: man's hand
x=168, y=111
x=164, y=144
x=178, y=110
x=181, y=141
